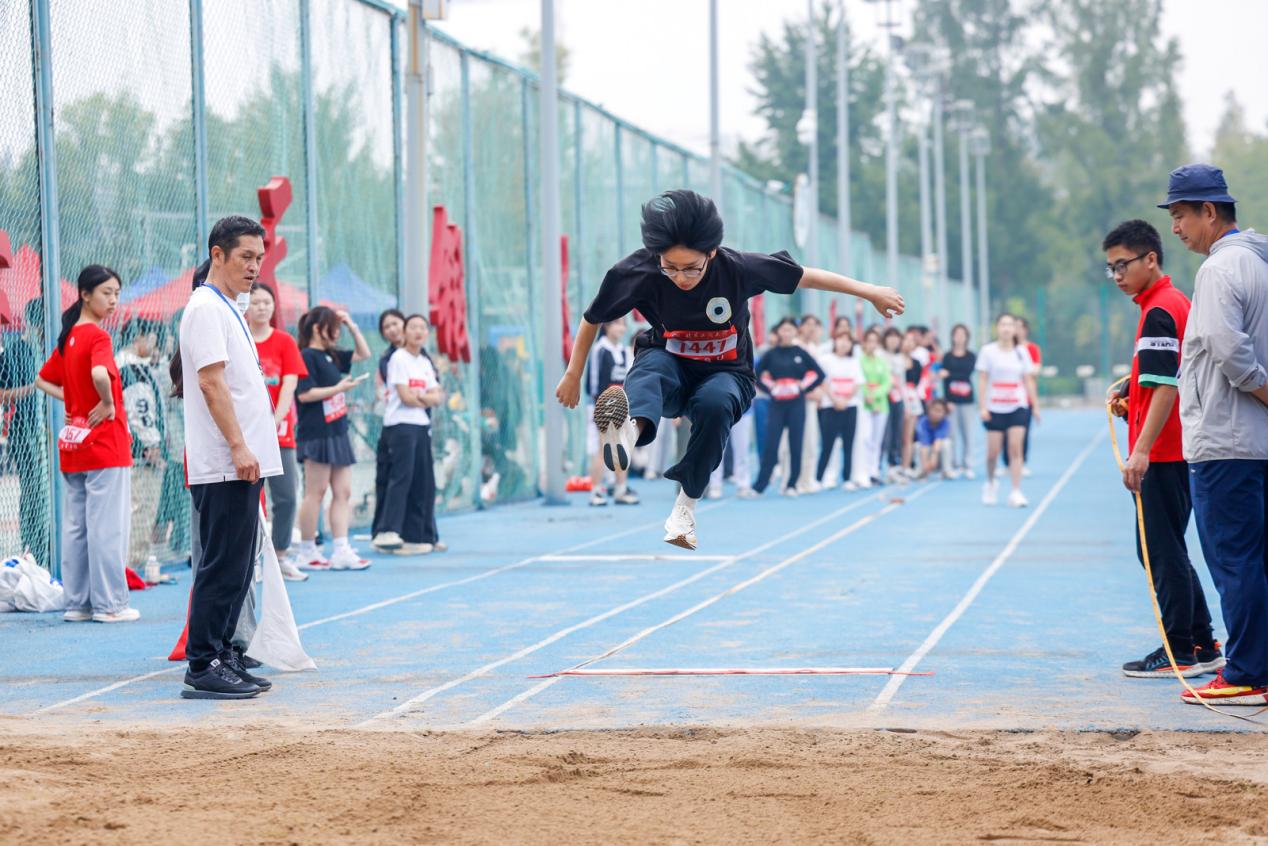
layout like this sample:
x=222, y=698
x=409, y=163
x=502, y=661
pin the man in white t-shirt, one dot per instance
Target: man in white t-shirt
x=230, y=447
x=407, y=520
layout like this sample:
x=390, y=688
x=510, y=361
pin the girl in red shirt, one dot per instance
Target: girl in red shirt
x=283, y=368
x=95, y=449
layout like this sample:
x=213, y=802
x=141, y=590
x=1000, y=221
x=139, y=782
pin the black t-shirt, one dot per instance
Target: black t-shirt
x=326, y=418
x=958, y=386
x=788, y=373
x=706, y=327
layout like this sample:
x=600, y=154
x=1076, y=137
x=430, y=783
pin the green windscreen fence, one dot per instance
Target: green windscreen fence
x=311, y=93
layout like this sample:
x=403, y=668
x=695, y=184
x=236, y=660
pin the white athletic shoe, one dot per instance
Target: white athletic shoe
x=413, y=549
x=347, y=559
x=78, y=616
x=290, y=569
x=747, y=492
x=127, y=615
x=850, y=486
x=714, y=492
x=990, y=492
x=969, y=474
x=597, y=498
x=1017, y=499
x=680, y=528
x=617, y=432
x=387, y=541
x=791, y=492
x=810, y=486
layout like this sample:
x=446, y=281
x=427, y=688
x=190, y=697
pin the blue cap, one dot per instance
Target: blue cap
x=1198, y=183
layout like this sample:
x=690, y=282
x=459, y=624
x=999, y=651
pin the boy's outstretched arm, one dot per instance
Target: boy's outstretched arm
x=886, y=300
x=569, y=391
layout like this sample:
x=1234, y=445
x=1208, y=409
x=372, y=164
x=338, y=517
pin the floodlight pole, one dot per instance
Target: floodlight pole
x=552, y=347
x=715, y=121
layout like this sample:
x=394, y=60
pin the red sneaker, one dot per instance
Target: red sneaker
x=1219, y=692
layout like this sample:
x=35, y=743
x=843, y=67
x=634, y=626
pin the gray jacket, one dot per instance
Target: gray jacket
x=1225, y=353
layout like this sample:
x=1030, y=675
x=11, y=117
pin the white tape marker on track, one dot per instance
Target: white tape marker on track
x=679, y=617
x=891, y=687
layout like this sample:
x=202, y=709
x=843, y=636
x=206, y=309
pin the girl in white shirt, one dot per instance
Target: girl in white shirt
x=841, y=395
x=1008, y=399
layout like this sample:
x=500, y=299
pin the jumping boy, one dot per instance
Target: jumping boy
x=697, y=359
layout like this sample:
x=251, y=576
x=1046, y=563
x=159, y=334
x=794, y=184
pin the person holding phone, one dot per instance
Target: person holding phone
x=322, y=442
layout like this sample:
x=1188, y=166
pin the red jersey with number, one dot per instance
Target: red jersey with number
x=82, y=447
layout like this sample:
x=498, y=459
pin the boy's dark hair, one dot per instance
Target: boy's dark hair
x=1139, y=236
x=681, y=218
x=1226, y=212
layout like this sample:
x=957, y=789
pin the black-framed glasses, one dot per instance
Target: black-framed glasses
x=685, y=272
x=1118, y=268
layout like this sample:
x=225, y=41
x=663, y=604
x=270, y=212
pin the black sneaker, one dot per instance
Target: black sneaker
x=1208, y=659
x=1157, y=665
x=218, y=681
x=234, y=660
x=247, y=662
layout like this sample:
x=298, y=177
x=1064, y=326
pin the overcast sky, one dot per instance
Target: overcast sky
x=647, y=60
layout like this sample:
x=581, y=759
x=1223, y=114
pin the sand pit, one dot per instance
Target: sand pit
x=269, y=784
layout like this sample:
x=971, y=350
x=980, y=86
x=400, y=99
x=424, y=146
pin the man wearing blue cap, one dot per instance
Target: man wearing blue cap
x=1224, y=416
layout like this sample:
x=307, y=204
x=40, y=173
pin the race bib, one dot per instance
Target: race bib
x=334, y=408
x=703, y=345
x=842, y=387
x=73, y=434
x=420, y=384
x=1007, y=393
x=959, y=389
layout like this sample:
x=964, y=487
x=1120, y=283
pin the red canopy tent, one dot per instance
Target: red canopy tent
x=22, y=282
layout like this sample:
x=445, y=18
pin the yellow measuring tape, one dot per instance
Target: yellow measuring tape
x=1149, y=574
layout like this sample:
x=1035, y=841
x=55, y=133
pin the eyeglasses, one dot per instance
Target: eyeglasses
x=1118, y=268
x=685, y=272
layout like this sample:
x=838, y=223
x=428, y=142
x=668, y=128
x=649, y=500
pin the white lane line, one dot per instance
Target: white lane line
x=607, y=558
x=682, y=615
x=414, y=701
x=895, y=682
x=366, y=609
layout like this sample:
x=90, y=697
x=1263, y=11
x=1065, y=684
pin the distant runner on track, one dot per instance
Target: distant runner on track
x=696, y=361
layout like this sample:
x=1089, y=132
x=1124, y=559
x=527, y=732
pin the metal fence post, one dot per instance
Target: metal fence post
x=470, y=245
x=50, y=249
x=398, y=169
x=620, y=193
x=310, y=144
x=199, y=115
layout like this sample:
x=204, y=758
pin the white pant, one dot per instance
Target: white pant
x=741, y=446
x=964, y=417
x=96, y=523
x=875, y=440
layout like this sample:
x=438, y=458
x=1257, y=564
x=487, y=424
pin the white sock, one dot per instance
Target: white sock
x=620, y=487
x=308, y=548
x=689, y=502
x=342, y=544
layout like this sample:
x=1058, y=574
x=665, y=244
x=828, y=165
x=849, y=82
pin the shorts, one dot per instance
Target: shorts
x=336, y=451
x=1012, y=420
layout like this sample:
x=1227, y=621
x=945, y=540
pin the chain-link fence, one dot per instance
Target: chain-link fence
x=186, y=113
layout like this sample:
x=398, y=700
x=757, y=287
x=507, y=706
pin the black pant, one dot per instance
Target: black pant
x=835, y=424
x=1165, y=498
x=409, y=502
x=660, y=385
x=893, y=444
x=228, y=521
x=381, y=465
x=790, y=415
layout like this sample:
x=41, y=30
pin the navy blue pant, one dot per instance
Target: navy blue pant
x=659, y=385
x=787, y=415
x=1231, y=512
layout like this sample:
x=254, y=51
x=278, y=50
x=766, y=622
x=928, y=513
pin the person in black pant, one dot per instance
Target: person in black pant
x=787, y=373
x=842, y=394
x=392, y=331
x=1155, y=468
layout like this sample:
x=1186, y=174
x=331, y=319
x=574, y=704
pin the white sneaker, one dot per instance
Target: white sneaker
x=347, y=559
x=864, y=485
x=78, y=616
x=290, y=569
x=1017, y=499
x=990, y=492
x=809, y=487
x=412, y=549
x=387, y=541
x=627, y=498
x=791, y=492
x=597, y=498
x=617, y=432
x=127, y=615
x=440, y=546
x=969, y=474
x=850, y=486
x=312, y=560
x=714, y=492
x=680, y=528
x=747, y=493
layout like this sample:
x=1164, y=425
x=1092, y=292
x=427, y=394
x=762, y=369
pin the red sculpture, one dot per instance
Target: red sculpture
x=447, y=288
x=563, y=244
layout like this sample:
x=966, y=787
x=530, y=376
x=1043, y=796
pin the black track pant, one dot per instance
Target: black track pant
x=835, y=424
x=409, y=501
x=228, y=519
x=790, y=415
x=1165, y=497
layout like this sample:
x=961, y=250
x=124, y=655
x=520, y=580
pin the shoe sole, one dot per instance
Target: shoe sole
x=1165, y=673
x=387, y=547
x=1211, y=666
x=681, y=541
x=1253, y=699
x=611, y=411
x=188, y=692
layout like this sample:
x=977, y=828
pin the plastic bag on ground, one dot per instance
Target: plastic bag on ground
x=26, y=586
x=276, y=640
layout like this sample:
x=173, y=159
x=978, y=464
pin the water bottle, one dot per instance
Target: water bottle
x=153, y=573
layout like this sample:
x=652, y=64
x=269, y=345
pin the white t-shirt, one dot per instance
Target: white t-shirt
x=213, y=330
x=416, y=372
x=1005, y=371
x=843, y=378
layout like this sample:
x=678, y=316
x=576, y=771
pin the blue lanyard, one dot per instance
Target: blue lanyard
x=241, y=322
